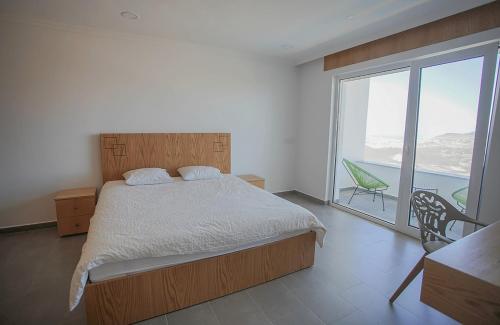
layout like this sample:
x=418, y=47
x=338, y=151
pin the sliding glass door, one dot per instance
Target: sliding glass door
x=449, y=110
x=370, y=142
x=423, y=125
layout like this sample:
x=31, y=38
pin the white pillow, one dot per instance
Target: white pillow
x=191, y=173
x=147, y=176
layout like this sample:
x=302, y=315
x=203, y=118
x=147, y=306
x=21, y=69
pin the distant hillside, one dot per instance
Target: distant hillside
x=449, y=153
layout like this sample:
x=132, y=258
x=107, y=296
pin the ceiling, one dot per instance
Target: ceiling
x=295, y=30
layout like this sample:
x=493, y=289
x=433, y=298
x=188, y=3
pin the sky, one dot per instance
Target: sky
x=448, y=100
x=448, y=103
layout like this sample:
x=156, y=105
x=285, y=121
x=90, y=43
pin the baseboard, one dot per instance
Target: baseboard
x=30, y=226
x=310, y=197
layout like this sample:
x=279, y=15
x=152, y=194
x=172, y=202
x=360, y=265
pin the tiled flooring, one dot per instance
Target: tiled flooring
x=353, y=276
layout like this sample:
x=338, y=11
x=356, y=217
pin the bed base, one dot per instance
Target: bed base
x=148, y=294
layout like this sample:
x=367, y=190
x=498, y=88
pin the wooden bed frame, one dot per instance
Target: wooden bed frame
x=144, y=295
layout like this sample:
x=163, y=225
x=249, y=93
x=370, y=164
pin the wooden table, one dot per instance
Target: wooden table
x=462, y=280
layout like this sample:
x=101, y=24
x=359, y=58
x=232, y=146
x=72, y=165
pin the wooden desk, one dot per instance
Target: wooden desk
x=462, y=280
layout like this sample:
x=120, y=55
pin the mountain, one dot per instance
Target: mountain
x=446, y=153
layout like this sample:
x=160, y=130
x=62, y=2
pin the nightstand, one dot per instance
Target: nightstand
x=254, y=180
x=74, y=209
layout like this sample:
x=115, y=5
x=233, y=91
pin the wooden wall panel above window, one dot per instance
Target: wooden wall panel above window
x=465, y=23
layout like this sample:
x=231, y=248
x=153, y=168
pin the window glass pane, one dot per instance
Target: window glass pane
x=372, y=114
x=447, y=114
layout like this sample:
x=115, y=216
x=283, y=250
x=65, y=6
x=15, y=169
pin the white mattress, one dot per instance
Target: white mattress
x=113, y=270
x=135, y=228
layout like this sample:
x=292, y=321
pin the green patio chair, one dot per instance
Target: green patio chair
x=460, y=196
x=369, y=183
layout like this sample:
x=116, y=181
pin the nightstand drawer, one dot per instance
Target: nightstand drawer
x=75, y=207
x=73, y=225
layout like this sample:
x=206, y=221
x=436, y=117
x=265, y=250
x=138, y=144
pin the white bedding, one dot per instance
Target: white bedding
x=113, y=270
x=182, y=218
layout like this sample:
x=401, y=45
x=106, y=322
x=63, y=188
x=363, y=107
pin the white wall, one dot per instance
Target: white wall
x=60, y=88
x=313, y=130
x=353, y=120
x=352, y=127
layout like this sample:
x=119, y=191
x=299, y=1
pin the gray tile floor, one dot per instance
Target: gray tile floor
x=353, y=276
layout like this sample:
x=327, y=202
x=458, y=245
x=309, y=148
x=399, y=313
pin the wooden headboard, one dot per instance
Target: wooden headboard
x=121, y=152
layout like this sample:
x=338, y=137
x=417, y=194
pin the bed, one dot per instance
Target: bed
x=158, y=248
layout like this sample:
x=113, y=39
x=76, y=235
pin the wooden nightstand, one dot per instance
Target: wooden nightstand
x=254, y=180
x=74, y=209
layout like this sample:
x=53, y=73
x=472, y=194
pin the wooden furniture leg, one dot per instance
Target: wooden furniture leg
x=409, y=278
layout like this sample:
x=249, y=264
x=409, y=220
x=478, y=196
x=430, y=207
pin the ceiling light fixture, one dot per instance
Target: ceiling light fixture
x=129, y=15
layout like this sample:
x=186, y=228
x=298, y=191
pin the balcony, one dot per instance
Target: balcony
x=371, y=133
x=441, y=183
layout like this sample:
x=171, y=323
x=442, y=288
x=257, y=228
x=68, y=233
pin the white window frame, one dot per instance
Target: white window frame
x=449, y=51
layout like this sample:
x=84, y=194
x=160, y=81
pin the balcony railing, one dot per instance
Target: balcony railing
x=444, y=183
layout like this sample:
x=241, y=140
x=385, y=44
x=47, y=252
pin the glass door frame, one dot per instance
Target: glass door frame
x=489, y=52
x=351, y=76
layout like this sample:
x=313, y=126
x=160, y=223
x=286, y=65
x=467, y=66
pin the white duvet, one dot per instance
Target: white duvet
x=183, y=217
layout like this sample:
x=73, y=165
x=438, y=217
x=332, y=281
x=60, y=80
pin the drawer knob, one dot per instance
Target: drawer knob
x=77, y=224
